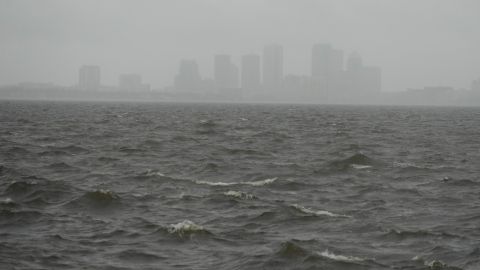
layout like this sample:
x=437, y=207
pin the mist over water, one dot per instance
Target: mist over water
x=240, y=134
x=182, y=186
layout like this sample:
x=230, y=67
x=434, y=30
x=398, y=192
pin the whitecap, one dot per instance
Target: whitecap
x=316, y=212
x=215, y=183
x=360, y=167
x=250, y=183
x=436, y=264
x=404, y=165
x=261, y=182
x=151, y=172
x=330, y=255
x=184, y=227
x=239, y=195
x=6, y=201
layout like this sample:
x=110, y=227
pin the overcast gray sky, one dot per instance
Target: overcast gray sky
x=416, y=42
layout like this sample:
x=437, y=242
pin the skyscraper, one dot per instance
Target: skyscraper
x=225, y=72
x=250, y=77
x=476, y=85
x=327, y=69
x=273, y=67
x=362, y=82
x=89, y=78
x=132, y=83
x=188, y=77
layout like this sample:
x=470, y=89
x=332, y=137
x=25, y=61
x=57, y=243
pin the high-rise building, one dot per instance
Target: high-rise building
x=272, y=67
x=225, y=72
x=327, y=69
x=132, y=83
x=354, y=62
x=250, y=77
x=89, y=78
x=476, y=85
x=188, y=78
x=362, y=82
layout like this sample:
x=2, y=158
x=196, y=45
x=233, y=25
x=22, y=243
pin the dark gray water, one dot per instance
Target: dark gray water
x=164, y=186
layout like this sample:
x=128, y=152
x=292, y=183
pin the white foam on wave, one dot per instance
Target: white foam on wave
x=436, y=264
x=261, y=182
x=250, y=183
x=316, y=212
x=404, y=165
x=343, y=258
x=215, y=183
x=183, y=227
x=6, y=201
x=151, y=172
x=361, y=167
x=239, y=195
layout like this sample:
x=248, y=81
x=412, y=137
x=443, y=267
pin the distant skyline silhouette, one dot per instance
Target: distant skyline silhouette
x=416, y=43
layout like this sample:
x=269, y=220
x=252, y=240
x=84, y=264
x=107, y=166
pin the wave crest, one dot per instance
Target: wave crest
x=330, y=255
x=239, y=195
x=185, y=227
x=249, y=183
x=309, y=211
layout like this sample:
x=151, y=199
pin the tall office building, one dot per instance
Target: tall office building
x=272, y=67
x=362, y=82
x=250, y=77
x=354, y=62
x=476, y=85
x=327, y=70
x=188, y=78
x=225, y=72
x=89, y=78
x=132, y=83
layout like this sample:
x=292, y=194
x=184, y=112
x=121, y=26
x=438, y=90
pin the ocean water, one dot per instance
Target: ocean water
x=211, y=186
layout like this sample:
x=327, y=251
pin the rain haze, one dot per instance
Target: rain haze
x=240, y=134
x=415, y=43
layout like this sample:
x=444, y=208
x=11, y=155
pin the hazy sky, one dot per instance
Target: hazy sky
x=416, y=42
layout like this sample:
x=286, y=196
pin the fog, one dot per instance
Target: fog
x=416, y=44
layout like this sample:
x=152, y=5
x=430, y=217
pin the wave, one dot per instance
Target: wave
x=101, y=195
x=342, y=258
x=72, y=149
x=7, y=202
x=357, y=161
x=439, y=265
x=309, y=211
x=150, y=172
x=17, y=151
x=289, y=249
x=129, y=150
x=36, y=191
x=249, y=183
x=61, y=166
x=152, y=143
x=15, y=218
x=361, y=167
x=239, y=195
x=404, y=234
x=96, y=200
x=186, y=228
x=210, y=167
x=18, y=188
x=207, y=123
x=138, y=256
x=244, y=151
x=6, y=171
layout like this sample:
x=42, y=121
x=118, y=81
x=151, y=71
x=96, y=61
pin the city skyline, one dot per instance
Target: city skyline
x=414, y=45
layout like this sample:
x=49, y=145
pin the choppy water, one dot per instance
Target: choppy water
x=164, y=186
